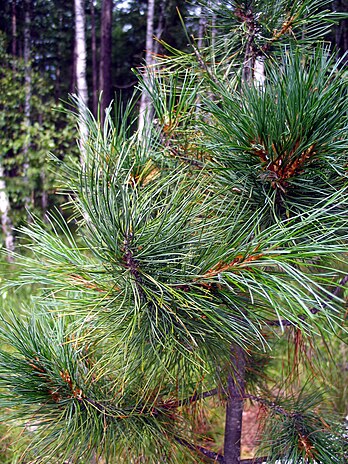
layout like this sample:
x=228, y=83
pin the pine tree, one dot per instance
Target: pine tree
x=209, y=244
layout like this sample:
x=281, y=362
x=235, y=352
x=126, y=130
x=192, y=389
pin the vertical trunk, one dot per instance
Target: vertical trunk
x=81, y=58
x=341, y=29
x=14, y=29
x=145, y=101
x=201, y=29
x=57, y=71
x=73, y=83
x=105, y=55
x=249, y=55
x=94, y=62
x=236, y=380
x=259, y=72
x=27, y=101
x=234, y=409
x=6, y=224
x=160, y=27
x=44, y=195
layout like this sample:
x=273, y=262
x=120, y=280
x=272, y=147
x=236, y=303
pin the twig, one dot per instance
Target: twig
x=270, y=404
x=191, y=399
x=314, y=310
x=216, y=457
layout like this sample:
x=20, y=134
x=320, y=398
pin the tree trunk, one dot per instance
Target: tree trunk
x=341, y=30
x=145, y=101
x=259, y=72
x=73, y=84
x=105, y=55
x=27, y=102
x=94, y=62
x=14, y=31
x=236, y=380
x=6, y=223
x=160, y=27
x=81, y=58
x=235, y=404
x=57, y=86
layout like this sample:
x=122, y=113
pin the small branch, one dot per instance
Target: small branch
x=314, y=310
x=216, y=457
x=286, y=26
x=191, y=399
x=254, y=460
x=270, y=404
x=204, y=65
x=250, y=55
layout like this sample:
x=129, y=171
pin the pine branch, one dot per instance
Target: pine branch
x=216, y=457
x=204, y=65
x=190, y=399
x=314, y=310
x=269, y=404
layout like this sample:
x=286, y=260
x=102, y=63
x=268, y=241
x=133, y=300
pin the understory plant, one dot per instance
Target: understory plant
x=204, y=243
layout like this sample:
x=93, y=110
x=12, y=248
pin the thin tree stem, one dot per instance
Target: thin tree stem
x=216, y=457
x=234, y=408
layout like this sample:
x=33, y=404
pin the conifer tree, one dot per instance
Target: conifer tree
x=208, y=243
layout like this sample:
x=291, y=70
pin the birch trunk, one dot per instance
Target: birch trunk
x=105, y=56
x=81, y=58
x=145, y=101
x=6, y=223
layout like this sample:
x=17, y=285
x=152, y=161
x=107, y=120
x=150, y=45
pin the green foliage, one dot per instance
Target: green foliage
x=48, y=129
x=294, y=421
x=284, y=145
x=225, y=225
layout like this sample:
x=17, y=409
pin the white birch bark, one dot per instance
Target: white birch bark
x=6, y=223
x=259, y=72
x=145, y=101
x=81, y=81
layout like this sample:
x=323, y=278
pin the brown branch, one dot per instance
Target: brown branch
x=284, y=166
x=187, y=401
x=286, y=26
x=269, y=404
x=216, y=457
x=254, y=460
x=204, y=65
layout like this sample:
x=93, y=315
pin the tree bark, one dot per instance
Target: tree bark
x=14, y=29
x=105, y=55
x=235, y=404
x=6, y=223
x=27, y=101
x=81, y=58
x=145, y=101
x=94, y=62
x=73, y=84
x=160, y=27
